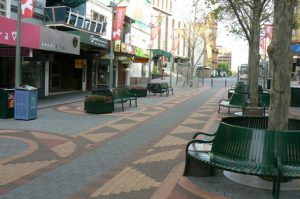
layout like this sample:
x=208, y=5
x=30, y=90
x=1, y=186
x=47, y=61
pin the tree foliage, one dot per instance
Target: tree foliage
x=244, y=18
x=200, y=32
x=223, y=67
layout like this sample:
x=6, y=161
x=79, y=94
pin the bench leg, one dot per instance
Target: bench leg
x=276, y=187
x=122, y=106
x=198, y=169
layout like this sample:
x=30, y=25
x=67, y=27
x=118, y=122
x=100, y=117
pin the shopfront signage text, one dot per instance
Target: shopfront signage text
x=8, y=33
x=97, y=41
x=58, y=41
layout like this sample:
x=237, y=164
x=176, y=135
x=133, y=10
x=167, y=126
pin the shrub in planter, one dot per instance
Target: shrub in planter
x=98, y=104
x=138, y=91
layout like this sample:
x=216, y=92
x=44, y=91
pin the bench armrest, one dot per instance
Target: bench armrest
x=202, y=133
x=199, y=142
x=223, y=100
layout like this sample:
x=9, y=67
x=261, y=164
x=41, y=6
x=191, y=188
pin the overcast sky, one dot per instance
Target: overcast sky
x=238, y=47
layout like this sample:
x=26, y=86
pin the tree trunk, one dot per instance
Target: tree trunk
x=281, y=68
x=253, y=59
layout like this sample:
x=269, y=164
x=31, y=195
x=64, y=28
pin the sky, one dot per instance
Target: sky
x=238, y=47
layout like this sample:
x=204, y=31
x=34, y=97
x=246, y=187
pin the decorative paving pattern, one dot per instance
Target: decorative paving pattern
x=127, y=180
x=148, y=171
x=11, y=172
x=35, y=151
x=143, y=175
x=166, y=155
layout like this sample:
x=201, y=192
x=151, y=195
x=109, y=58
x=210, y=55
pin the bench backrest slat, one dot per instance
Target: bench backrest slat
x=238, y=99
x=244, y=144
x=249, y=138
x=289, y=147
x=120, y=93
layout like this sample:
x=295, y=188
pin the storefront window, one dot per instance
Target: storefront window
x=32, y=73
x=2, y=7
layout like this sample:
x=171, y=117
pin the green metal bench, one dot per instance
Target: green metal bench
x=244, y=145
x=122, y=95
x=159, y=88
x=240, y=88
x=237, y=100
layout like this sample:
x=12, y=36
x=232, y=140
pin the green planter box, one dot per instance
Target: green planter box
x=139, y=93
x=99, y=107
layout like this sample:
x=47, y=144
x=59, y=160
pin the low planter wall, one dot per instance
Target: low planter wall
x=99, y=107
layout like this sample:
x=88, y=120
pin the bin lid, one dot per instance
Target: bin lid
x=26, y=87
x=7, y=89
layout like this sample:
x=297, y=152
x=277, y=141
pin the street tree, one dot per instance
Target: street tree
x=223, y=66
x=281, y=64
x=245, y=18
x=200, y=34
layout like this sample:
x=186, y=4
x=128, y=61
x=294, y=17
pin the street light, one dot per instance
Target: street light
x=18, y=46
x=112, y=45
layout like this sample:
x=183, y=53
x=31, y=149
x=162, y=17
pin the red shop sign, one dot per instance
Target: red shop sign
x=8, y=33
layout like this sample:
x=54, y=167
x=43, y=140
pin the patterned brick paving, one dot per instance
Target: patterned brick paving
x=153, y=171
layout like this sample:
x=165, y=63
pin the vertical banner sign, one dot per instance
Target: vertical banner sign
x=118, y=23
x=27, y=8
x=269, y=30
x=262, y=43
x=154, y=33
x=175, y=44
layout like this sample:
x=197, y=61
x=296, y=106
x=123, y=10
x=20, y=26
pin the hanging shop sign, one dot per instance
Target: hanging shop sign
x=93, y=40
x=127, y=48
x=119, y=21
x=8, y=33
x=58, y=41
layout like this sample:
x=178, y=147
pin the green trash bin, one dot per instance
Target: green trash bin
x=7, y=99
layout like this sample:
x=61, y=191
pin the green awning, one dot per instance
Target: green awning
x=160, y=53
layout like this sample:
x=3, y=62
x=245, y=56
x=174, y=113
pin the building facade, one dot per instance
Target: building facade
x=224, y=56
x=65, y=46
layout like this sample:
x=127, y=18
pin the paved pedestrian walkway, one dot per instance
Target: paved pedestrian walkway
x=139, y=153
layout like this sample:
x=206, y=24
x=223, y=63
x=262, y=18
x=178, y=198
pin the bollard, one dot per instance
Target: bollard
x=225, y=83
x=211, y=82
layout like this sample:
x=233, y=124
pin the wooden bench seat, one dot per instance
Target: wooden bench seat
x=244, y=145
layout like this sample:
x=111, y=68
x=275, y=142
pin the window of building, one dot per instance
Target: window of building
x=102, y=22
x=2, y=7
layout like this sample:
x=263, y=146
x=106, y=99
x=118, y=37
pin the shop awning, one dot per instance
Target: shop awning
x=159, y=53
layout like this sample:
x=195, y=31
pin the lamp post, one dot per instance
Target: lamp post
x=112, y=46
x=18, y=46
x=265, y=59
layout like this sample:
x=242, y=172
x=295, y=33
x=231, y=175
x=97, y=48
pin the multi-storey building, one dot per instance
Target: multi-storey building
x=224, y=56
x=66, y=44
x=168, y=43
x=38, y=44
